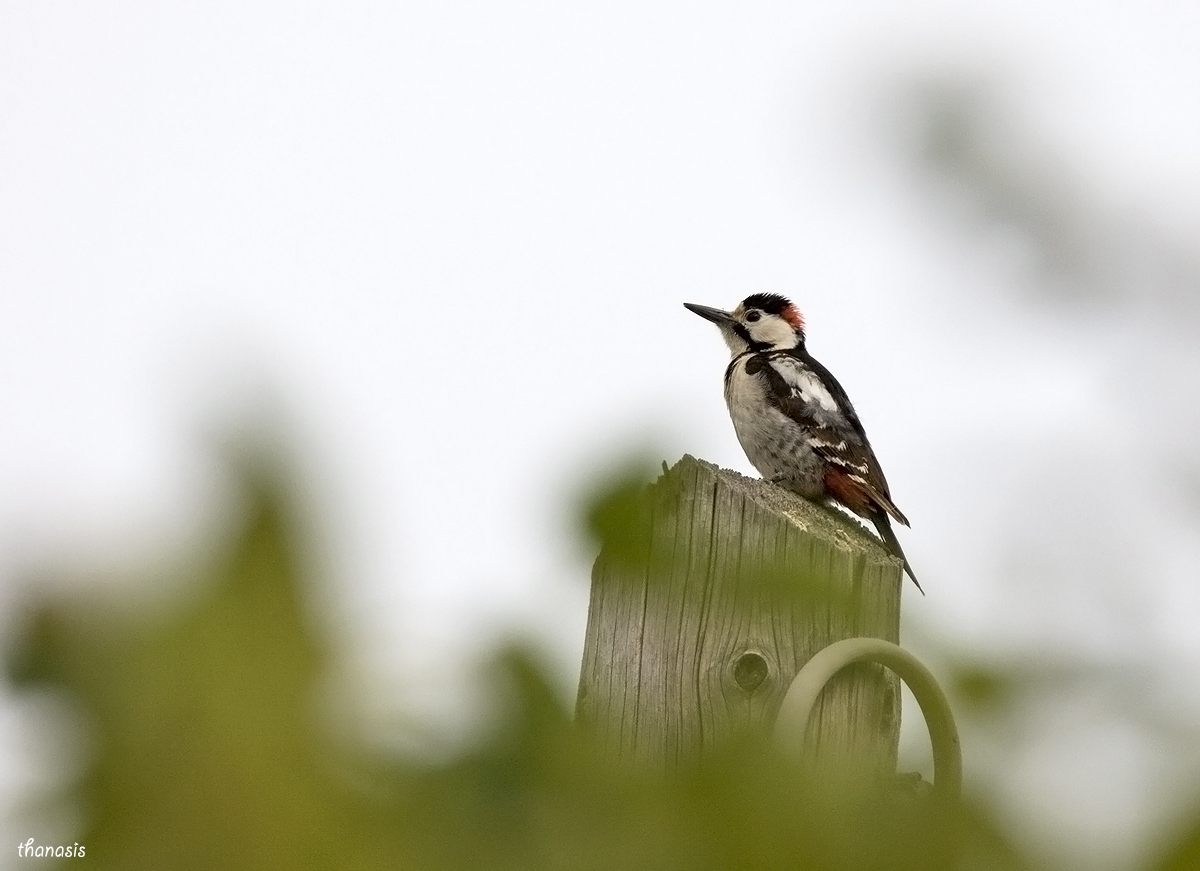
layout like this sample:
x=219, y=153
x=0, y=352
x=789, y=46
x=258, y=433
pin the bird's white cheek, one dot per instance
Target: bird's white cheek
x=774, y=333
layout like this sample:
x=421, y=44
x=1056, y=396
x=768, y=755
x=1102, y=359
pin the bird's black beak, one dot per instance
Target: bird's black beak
x=718, y=317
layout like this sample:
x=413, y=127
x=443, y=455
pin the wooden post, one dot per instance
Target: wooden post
x=694, y=635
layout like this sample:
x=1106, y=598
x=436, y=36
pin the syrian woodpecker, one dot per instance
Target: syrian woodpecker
x=794, y=420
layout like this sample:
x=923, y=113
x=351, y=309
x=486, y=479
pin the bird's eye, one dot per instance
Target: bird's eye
x=753, y=315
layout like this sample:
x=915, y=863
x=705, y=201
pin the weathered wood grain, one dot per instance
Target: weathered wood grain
x=695, y=640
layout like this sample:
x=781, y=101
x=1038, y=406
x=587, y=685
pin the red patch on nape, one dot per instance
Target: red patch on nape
x=792, y=315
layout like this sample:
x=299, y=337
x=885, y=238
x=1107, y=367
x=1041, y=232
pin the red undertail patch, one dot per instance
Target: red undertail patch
x=852, y=493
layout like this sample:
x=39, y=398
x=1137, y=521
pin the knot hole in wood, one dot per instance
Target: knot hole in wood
x=750, y=671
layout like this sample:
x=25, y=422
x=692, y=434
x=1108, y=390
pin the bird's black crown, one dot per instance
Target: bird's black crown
x=771, y=303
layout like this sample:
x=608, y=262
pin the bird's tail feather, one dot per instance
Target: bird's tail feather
x=884, y=526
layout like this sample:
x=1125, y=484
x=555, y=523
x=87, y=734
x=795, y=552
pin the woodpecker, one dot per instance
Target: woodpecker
x=792, y=417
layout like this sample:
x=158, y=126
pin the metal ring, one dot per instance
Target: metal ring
x=792, y=722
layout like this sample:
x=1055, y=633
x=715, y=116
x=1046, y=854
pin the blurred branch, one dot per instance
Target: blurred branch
x=966, y=145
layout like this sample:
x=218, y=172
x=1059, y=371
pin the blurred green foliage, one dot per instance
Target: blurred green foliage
x=616, y=512
x=209, y=750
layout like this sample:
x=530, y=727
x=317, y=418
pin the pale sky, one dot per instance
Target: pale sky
x=447, y=243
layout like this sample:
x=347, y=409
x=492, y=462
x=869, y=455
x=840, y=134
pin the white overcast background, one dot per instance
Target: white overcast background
x=447, y=245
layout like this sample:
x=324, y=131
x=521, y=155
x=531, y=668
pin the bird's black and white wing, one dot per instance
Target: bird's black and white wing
x=809, y=395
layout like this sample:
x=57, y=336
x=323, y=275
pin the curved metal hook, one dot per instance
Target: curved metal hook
x=794, y=714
